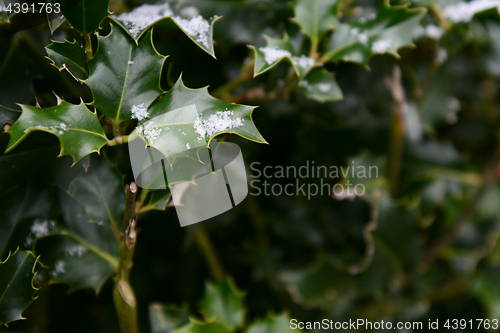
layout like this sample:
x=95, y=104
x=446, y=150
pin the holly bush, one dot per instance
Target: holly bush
x=409, y=89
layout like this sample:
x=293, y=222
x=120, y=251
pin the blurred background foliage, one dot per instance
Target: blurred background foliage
x=422, y=244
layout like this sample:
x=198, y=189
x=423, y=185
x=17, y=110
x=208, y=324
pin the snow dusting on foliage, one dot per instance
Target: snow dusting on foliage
x=141, y=17
x=216, y=123
x=271, y=55
x=58, y=269
x=55, y=129
x=78, y=250
x=39, y=229
x=464, y=11
x=189, y=12
x=139, y=112
x=432, y=31
x=196, y=27
x=381, y=46
x=322, y=87
x=303, y=61
x=361, y=36
x=151, y=132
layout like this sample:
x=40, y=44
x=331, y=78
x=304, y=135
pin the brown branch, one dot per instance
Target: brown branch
x=490, y=178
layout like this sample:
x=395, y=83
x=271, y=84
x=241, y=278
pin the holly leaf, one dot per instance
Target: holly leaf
x=156, y=201
x=17, y=166
x=27, y=213
x=79, y=253
x=316, y=17
x=16, y=285
x=76, y=127
x=321, y=86
x=224, y=302
x=8, y=116
x=4, y=16
x=391, y=29
x=55, y=22
x=85, y=15
x=273, y=324
x=183, y=119
x=166, y=319
x=69, y=56
x=99, y=191
x=197, y=28
x=276, y=50
x=123, y=74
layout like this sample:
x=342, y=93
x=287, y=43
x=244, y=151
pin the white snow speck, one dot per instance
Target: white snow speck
x=451, y=118
x=361, y=36
x=141, y=17
x=216, y=123
x=196, y=27
x=303, y=61
x=453, y=103
x=464, y=11
x=130, y=62
x=189, y=12
x=78, y=250
x=188, y=146
x=139, y=112
x=442, y=55
x=381, y=46
x=58, y=269
x=432, y=31
x=271, y=55
x=151, y=132
x=55, y=129
x=324, y=87
x=41, y=228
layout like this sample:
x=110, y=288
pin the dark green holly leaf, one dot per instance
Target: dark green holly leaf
x=275, y=51
x=273, y=324
x=55, y=22
x=85, y=15
x=76, y=127
x=224, y=303
x=8, y=116
x=69, y=56
x=18, y=165
x=316, y=17
x=26, y=73
x=80, y=254
x=123, y=75
x=166, y=319
x=388, y=32
x=197, y=28
x=320, y=85
x=27, y=213
x=183, y=119
x=4, y=15
x=438, y=105
x=100, y=192
x=316, y=285
x=195, y=327
x=16, y=285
